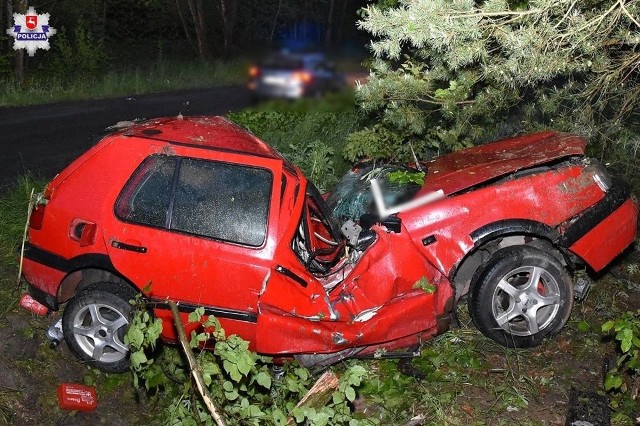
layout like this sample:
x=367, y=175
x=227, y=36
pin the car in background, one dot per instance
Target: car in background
x=200, y=212
x=293, y=76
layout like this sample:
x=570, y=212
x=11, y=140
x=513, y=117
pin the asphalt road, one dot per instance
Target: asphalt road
x=43, y=139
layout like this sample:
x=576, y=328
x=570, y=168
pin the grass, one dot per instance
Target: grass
x=161, y=76
x=13, y=215
x=310, y=133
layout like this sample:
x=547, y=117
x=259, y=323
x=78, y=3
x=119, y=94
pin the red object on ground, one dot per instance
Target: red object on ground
x=31, y=304
x=72, y=396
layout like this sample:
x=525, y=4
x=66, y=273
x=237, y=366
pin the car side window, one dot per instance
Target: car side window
x=145, y=199
x=223, y=201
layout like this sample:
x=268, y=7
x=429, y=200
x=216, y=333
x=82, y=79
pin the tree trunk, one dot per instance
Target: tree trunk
x=187, y=33
x=197, y=14
x=228, y=12
x=18, y=57
x=275, y=21
x=328, y=32
x=340, y=33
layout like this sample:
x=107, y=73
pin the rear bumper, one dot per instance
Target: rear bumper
x=44, y=272
x=43, y=282
x=604, y=230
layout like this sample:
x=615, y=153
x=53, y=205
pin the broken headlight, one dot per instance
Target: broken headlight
x=600, y=175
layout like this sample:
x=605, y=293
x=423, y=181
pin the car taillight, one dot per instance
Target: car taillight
x=254, y=72
x=37, y=216
x=303, y=77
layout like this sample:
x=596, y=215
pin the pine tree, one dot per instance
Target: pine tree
x=452, y=73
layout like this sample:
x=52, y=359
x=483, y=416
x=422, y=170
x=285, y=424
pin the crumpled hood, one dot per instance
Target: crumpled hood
x=469, y=167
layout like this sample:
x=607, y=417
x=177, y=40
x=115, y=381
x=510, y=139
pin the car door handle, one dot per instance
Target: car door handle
x=131, y=246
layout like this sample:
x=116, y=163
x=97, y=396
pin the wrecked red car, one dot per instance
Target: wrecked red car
x=203, y=213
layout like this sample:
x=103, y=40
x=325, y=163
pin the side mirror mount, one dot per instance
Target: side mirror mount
x=392, y=223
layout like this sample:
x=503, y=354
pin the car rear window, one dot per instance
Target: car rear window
x=228, y=202
x=282, y=63
x=146, y=196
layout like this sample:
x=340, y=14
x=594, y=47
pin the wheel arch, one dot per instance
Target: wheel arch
x=497, y=235
x=89, y=269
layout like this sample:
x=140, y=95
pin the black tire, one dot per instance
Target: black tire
x=507, y=307
x=95, y=322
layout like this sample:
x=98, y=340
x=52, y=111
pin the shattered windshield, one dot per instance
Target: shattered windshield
x=352, y=196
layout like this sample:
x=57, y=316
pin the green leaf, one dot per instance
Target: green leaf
x=210, y=368
x=138, y=358
x=155, y=380
x=196, y=315
x=227, y=386
x=134, y=337
x=350, y=394
x=612, y=381
x=424, y=284
x=264, y=379
x=624, y=336
x=320, y=419
x=298, y=414
x=278, y=417
x=231, y=396
x=232, y=369
x=583, y=326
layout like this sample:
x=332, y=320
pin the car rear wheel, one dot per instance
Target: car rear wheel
x=520, y=297
x=95, y=322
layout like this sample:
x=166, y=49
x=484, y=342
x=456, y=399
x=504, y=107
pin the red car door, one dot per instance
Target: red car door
x=197, y=231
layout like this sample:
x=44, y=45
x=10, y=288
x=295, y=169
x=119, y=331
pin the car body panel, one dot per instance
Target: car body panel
x=466, y=168
x=451, y=221
x=619, y=229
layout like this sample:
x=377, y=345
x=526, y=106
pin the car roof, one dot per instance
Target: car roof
x=208, y=132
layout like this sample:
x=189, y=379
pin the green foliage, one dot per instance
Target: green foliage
x=441, y=373
x=424, y=284
x=79, y=54
x=311, y=140
x=159, y=76
x=13, y=216
x=450, y=74
x=626, y=331
x=622, y=379
x=239, y=380
x=14, y=204
x=142, y=335
x=405, y=177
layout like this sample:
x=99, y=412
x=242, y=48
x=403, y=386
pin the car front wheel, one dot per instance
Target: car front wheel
x=521, y=296
x=95, y=322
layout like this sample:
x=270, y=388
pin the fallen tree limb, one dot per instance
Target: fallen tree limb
x=24, y=236
x=196, y=370
x=319, y=393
